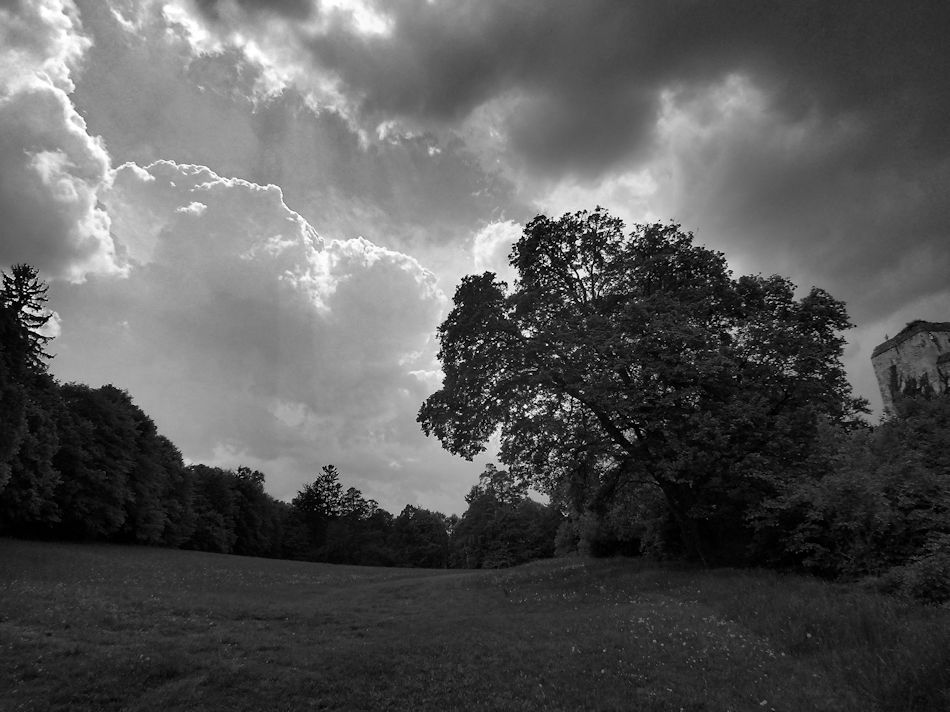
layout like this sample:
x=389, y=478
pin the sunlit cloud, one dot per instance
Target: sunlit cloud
x=53, y=169
x=491, y=247
x=277, y=343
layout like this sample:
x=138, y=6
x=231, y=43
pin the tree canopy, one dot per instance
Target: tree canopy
x=617, y=360
x=502, y=525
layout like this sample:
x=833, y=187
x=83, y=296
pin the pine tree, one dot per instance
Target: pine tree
x=23, y=296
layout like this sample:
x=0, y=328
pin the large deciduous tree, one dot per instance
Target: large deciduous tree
x=622, y=359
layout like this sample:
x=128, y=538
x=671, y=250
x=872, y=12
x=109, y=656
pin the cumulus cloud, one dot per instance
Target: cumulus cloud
x=42, y=43
x=243, y=331
x=53, y=170
x=221, y=103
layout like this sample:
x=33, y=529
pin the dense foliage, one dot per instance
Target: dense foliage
x=876, y=504
x=502, y=525
x=618, y=361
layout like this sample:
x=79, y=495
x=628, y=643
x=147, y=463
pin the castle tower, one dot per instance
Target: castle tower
x=915, y=362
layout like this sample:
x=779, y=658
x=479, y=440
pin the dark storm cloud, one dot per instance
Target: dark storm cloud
x=296, y=9
x=590, y=74
x=827, y=163
x=874, y=234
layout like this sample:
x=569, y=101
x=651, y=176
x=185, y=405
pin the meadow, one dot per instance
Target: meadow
x=105, y=627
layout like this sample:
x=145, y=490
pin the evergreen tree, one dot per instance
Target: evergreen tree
x=24, y=295
x=28, y=402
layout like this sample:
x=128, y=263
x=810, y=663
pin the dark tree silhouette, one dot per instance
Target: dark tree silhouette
x=317, y=504
x=24, y=296
x=13, y=396
x=419, y=538
x=28, y=405
x=640, y=360
x=502, y=526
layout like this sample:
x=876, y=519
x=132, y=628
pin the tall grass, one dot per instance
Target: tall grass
x=894, y=654
x=124, y=628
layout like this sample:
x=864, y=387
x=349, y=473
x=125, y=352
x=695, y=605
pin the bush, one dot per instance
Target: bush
x=927, y=577
x=566, y=539
x=867, y=503
x=608, y=535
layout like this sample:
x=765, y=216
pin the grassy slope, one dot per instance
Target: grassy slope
x=87, y=627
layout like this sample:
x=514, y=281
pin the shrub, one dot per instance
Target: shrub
x=927, y=577
x=867, y=502
x=566, y=539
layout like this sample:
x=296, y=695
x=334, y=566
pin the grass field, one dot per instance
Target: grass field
x=87, y=627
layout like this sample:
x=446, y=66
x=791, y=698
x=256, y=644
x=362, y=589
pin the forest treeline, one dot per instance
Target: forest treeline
x=87, y=464
x=666, y=407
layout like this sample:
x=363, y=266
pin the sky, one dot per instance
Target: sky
x=253, y=213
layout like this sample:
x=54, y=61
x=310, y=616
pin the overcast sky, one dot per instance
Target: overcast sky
x=253, y=214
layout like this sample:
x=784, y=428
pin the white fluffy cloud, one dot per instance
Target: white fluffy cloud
x=156, y=88
x=42, y=42
x=250, y=338
x=53, y=170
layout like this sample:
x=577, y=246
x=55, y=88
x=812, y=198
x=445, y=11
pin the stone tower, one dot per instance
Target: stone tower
x=915, y=362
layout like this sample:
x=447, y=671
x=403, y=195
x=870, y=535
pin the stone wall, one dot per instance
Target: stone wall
x=916, y=361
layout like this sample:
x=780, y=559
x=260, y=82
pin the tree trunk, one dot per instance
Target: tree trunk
x=689, y=532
